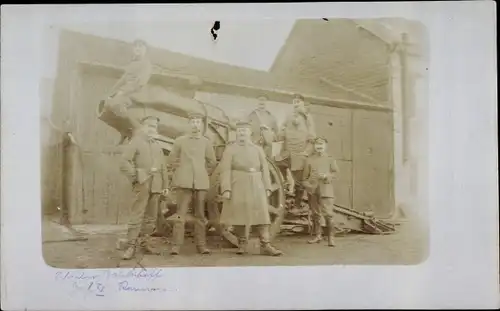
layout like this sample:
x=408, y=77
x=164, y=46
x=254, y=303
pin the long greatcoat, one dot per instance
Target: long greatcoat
x=245, y=173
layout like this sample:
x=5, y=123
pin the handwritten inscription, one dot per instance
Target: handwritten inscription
x=102, y=282
x=125, y=286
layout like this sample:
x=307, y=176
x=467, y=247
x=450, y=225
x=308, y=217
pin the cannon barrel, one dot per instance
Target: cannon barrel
x=172, y=109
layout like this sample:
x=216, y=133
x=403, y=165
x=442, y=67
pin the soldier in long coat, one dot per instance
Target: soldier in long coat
x=264, y=126
x=297, y=135
x=144, y=164
x=245, y=187
x=319, y=172
x=192, y=159
x=136, y=76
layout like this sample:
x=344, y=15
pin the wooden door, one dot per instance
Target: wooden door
x=373, y=162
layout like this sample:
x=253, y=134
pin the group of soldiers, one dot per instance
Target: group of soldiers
x=244, y=172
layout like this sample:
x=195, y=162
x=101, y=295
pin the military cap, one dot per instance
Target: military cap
x=263, y=96
x=243, y=123
x=320, y=139
x=140, y=42
x=150, y=117
x=298, y=96
x=195, y=115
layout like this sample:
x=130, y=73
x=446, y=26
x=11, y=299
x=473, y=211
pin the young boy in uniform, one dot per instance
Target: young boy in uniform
x=319, y=172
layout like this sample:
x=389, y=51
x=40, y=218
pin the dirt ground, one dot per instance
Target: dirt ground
x=406, y=247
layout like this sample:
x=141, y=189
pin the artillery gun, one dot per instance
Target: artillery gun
x=173, y=110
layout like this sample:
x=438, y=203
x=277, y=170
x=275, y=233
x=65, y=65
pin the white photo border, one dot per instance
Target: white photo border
x=462, y=270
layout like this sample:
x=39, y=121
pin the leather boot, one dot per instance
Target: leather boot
x=175, y=250
x=147, y=249
x=177, y=237
x=331, y=233
x=242, y=246
x=268, y=250
x=317, y=232
x=129, y=253
x=200, y=236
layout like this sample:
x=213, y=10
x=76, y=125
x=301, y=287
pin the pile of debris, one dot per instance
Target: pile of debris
x=347, y=220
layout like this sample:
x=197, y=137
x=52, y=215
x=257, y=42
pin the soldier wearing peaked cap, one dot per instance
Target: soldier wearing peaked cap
x=245, y=187
x=297, y=134
x=264, y=126
x=144, y=164
x=192, y=159
x=319, y=171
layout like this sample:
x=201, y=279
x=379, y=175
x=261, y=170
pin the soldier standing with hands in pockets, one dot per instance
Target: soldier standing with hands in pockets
x=144, y=164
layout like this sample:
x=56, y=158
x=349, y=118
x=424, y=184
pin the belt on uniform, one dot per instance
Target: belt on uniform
x=248, y=170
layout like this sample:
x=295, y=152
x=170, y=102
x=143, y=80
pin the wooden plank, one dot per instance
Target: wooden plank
x=372, y=162
x=335, y=125
x=343, y=184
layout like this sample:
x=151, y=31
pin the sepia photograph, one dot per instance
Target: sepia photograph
x=155, y=155
x=249, y=156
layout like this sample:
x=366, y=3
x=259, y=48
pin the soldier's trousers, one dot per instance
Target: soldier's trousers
x=243, y=232
x=143, y=213
x=321, y=206
x=184, y=199
x=297, y=178
x=299, y=189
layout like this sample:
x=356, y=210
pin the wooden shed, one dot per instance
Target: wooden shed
x=326, y=62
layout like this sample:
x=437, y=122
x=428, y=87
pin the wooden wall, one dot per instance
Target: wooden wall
x=102, y=194
x=362, y=143
x=360, y=140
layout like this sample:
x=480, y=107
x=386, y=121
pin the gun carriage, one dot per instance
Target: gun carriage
x=173, y=110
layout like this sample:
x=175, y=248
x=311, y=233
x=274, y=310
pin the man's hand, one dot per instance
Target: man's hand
x=153, y=170
x=165, y=192
x=268, y=192
x=264, y=127
x=325, y=178
x=226, y=195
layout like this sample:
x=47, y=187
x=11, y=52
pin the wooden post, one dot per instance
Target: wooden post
x=68, y=185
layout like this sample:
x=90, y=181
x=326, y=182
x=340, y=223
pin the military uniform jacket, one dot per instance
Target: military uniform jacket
x=316, y=165
x=192, y=159
x=139, y=156
x=258, y=118
x=297, y=133
x=136, y=76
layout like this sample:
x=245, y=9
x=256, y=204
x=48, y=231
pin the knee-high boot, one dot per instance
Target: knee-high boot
x=316, y=231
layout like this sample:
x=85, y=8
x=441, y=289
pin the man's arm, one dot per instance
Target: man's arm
x=333, y=170
x=210, y=156
x=127, y=161
x=266, y=175
x=225, y=170
x=174, y=156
